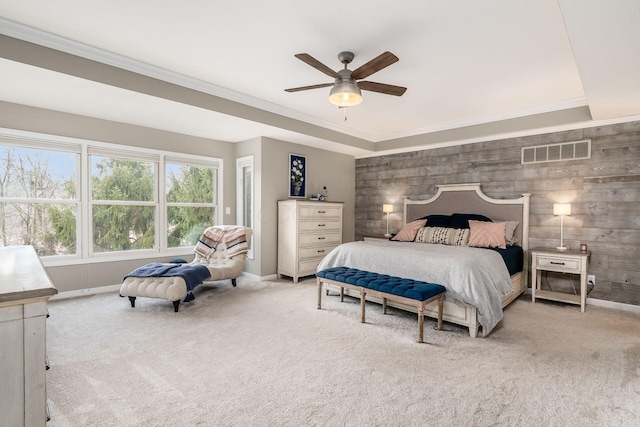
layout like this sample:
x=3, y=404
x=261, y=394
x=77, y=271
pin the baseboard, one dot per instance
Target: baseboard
x=614, y=304
x=115, y=288
x=607, y=304
x=86, y=292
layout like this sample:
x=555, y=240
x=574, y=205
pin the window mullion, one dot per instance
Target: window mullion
x=85, y=229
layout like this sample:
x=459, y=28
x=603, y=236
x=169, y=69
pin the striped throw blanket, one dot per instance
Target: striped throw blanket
x=234, y=237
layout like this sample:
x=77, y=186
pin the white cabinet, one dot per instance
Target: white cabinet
x=25, y=288
x=307, y=231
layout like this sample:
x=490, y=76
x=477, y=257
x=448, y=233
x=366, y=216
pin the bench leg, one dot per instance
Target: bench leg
x=341, y=294
x=440, y=307
x=362, y=304
x=421, y=323
x=320, y=293
x=384, y=306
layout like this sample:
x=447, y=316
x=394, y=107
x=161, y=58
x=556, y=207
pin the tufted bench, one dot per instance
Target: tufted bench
x=406, y=291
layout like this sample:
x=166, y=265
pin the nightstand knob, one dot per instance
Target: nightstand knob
x=557, y=263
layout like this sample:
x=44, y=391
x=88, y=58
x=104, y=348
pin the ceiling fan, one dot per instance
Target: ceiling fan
x=346, y=89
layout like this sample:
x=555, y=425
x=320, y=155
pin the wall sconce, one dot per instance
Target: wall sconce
x=562, y=209
x=387, y=209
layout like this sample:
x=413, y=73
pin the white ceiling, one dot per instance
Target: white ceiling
x=464, y=62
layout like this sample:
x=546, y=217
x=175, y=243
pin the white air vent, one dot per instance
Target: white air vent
x=557, y=152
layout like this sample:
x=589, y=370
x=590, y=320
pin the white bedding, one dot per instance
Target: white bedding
x=474, y=276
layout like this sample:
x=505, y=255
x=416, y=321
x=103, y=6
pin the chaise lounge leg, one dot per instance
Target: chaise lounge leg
x=319, y=293
x=132, y=300
x=176, y=304
x=233, y=282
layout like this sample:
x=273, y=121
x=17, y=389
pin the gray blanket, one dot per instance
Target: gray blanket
x=474, y=276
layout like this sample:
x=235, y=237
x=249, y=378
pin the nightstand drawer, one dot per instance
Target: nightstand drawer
x=558, y=263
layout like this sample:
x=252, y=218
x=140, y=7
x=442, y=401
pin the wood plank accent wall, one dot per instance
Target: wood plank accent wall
x=604, y=193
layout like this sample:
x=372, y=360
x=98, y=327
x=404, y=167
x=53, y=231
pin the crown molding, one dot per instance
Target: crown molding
x=505, y=135
x=83, y=50
x=546, y=108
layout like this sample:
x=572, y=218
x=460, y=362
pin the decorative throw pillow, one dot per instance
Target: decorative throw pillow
x=443, y=236
x=409, y=231
x=459, y=220
x=509, y=234
x=437, y=220
x=487, y=234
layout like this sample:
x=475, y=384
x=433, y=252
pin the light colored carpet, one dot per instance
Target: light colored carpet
x=261, y=354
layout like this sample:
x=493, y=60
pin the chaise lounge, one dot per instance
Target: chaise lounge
x=221, y=249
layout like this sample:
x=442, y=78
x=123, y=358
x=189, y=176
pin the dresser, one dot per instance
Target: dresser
x=25, y=288
x=307, y=231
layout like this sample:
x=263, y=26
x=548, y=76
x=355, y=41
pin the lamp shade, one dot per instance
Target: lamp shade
x=562, y=209
x=345, y=93
x=387, y=208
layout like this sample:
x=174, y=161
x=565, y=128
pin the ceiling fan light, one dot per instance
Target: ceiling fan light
x=345, y=94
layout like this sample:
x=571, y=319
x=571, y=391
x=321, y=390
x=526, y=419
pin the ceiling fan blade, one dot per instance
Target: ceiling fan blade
x=297, y=89
x=382, y=88
x=376, y=64
x=305, y=57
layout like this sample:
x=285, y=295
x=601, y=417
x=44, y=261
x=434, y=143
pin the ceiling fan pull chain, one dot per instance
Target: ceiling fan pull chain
x=345, y=113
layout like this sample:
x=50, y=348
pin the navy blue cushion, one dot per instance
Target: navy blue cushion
x=437, y=220
x=408, y=288
x=459, y=220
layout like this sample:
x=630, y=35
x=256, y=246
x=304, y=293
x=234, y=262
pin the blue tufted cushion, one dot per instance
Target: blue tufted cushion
x=408, y=288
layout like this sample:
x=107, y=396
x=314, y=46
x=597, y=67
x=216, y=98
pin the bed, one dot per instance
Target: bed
x=480, y=282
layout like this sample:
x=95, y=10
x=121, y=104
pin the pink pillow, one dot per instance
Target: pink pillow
x=487, y=234
x=409, y=231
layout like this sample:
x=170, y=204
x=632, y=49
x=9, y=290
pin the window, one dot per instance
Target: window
x=190, y=200
x=39, y=199
x=244, y=196
x=80, y=199
x=123, y=206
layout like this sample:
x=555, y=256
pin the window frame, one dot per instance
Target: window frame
x=241, y=163
x=84, y=226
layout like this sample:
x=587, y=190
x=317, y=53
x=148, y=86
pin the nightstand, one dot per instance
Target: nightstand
x=570, y=262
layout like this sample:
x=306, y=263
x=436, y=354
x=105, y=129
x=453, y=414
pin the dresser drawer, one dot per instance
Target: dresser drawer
x=315, y=252
x=319, y=239
x=307, y=212
x=319, y=225
x=555, y=263
x=309, y=267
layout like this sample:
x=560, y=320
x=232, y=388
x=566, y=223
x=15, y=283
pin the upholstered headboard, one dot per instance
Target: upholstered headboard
x=469, y=199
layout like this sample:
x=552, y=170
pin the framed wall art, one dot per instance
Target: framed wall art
x=297, y=176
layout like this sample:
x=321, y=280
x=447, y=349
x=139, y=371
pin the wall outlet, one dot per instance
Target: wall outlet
x=591, y=279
